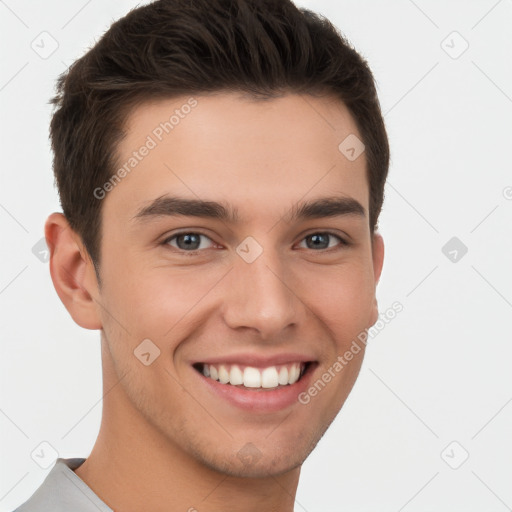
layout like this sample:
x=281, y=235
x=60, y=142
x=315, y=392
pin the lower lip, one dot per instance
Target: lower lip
x=260, y=399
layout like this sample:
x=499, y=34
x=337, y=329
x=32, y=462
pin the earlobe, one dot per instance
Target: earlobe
x=72, y=272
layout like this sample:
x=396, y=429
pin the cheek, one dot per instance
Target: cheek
x=342, y=297
x=157, y=302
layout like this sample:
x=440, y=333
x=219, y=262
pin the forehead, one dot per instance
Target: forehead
x=241, y=150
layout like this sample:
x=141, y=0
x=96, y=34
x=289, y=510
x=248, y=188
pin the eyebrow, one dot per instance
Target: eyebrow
x=175, y=206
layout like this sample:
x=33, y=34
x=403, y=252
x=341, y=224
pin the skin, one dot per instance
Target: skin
x=165, y=442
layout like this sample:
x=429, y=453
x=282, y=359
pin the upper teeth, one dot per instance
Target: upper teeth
x=252, y=377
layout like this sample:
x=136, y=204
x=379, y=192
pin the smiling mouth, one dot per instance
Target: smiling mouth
x=252, y=378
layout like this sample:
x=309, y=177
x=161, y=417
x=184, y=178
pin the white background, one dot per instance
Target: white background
x=438, y=373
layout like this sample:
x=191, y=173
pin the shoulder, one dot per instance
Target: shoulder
x=62, y=490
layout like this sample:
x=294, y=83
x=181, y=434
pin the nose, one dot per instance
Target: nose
x=261, y=297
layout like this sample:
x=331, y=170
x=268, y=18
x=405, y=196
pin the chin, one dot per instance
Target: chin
x=262, y=468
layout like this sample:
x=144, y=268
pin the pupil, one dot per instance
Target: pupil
x=190, y=240
x=317, y=238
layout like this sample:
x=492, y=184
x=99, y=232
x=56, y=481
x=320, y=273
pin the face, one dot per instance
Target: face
x=260, y=289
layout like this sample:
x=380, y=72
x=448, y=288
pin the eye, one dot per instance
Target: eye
x=187, y=241
x=321, y=240
x=192, y=242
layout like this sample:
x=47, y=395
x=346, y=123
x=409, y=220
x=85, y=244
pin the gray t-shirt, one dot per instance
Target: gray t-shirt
x=64, y=491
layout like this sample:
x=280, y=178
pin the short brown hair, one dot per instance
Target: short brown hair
x=171, y=48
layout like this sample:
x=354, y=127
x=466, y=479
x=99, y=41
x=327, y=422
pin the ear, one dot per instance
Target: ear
x=378, y=260
x=377, y=255
x=72, y=272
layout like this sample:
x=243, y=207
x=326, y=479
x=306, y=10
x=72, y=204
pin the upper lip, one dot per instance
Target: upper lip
x=257, y=361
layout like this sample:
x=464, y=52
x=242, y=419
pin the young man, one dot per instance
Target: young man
x=221, y=166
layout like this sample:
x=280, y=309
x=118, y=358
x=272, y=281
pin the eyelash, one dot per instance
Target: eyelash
x=343, y=242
